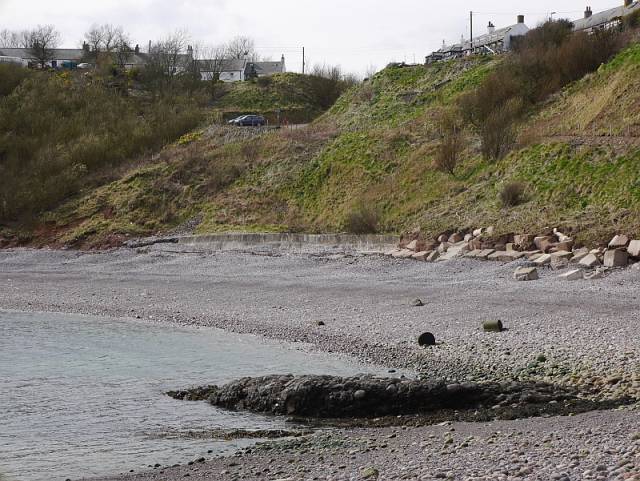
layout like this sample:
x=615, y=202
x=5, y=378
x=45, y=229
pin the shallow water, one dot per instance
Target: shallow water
x=83, y=396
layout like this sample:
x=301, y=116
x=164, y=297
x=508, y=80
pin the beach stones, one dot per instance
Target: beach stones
x=417, y=303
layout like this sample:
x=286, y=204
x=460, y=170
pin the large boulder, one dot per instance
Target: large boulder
x=616, y=258
x=545, y=243
x=590, y=260
x=421, y=256
x=634, y=248
x=619, y=242
x=574, y=275
x=523, y=242
x=526, y=274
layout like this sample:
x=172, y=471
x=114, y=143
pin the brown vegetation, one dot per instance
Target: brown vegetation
x=545, y=60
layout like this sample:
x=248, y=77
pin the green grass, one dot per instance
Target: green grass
x=375, y=147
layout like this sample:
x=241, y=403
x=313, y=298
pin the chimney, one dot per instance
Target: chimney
x=520, y=18
x=282, y=59
x=190, y=51
x=491, y=28
x=588, y=12
x=137, y=49
x=85, y=47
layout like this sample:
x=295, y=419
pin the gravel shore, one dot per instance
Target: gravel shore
x=583, y=334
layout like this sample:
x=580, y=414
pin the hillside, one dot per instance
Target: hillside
x=577, y=156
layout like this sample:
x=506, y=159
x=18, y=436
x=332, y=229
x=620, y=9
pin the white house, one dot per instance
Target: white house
x=238, y=70
x=493, y=42
x=605, y=20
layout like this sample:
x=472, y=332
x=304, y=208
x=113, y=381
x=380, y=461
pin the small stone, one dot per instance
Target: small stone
x=573, y=275
x=443, y=238
x=417, y=303
x=320, y=323
x=359, y=394
x=526, y=274
x=370, y=473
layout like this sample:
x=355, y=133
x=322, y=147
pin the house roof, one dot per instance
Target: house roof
x=224, y=65
x=486, y=39
x=58, y=53
x=267, y=68
x=600, y=18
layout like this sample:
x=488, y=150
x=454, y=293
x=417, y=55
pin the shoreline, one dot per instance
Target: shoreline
x=364, y=302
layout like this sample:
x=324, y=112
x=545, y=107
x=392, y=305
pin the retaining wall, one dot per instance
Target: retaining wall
x=292, y=241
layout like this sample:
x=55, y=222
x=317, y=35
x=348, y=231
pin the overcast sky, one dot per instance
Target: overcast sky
x=355, y=34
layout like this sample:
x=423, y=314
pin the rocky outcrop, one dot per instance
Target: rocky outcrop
x=365, y=396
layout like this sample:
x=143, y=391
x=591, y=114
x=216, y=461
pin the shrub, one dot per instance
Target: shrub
x=10, y=77
x=498, y=131
x=544, y=61
x=58, y=135
x=363, y=218
x=264, y=82
x=451, y=143
x=512, y=194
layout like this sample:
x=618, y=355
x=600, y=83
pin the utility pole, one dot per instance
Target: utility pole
x=303, y=61
x=471, y=30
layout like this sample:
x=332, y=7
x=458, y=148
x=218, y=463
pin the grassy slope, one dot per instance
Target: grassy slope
x=376, y=146
x=288, y=92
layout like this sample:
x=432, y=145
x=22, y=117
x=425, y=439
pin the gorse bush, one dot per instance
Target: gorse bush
x=59, y=134
x=363, y=218
x=512, y=194
x=10, y=77
x=451, y=143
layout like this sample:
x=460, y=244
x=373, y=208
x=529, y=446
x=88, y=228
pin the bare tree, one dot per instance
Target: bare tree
x=41, y=43
x=209, y=62
x=242, y=47
x=94, y=38
x=167, y=59
x=112, y=36
x=13, y=39
x=122, y=51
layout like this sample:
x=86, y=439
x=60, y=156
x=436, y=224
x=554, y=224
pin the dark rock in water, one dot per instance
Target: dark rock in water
x=196, y=394
x=427, y=339
x=363, y=396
